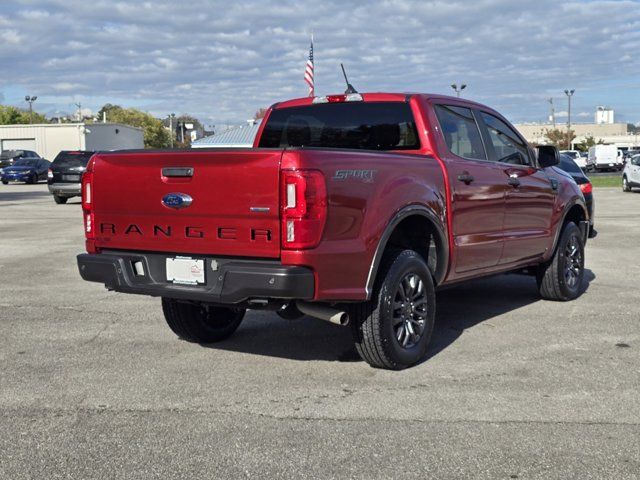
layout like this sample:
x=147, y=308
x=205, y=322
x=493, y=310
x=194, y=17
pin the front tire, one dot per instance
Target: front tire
x=625, y=185
x=201, y=323
x=561, y=278
x=393, y=329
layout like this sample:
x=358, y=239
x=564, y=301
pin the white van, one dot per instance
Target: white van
x=604, y=157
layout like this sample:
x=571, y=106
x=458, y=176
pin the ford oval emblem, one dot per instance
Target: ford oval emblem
x=176, y=200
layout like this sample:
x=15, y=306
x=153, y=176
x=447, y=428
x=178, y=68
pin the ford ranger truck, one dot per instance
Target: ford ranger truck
x=350, y=208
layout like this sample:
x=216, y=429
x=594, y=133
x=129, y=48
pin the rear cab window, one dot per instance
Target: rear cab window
x=349, y=125
x=72, y=159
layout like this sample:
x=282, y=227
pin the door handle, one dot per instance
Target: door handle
x=466, y=177
x=177, y=172
x=513, y=181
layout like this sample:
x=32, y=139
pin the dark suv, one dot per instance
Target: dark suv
x=65, y=173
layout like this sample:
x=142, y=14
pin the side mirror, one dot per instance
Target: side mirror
x=548, y=156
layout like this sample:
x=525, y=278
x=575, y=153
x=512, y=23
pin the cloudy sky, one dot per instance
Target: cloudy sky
x=221, y=61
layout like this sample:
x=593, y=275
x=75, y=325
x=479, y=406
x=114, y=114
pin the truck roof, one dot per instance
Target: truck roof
x=380, y=97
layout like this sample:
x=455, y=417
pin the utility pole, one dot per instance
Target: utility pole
x=458, y=90
x=79, y=105
x=30, y=100
x=569, y=94
x=553, y=113
x=171, y=117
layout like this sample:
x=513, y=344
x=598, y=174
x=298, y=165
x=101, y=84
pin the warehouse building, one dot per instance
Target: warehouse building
x=609, y=133
x=236, y=137
x=49, y=139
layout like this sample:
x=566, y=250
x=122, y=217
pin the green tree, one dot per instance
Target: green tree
x=155, y=135
x=260, y=113
x=560, y=138
x=590, y=141
x=10, y=115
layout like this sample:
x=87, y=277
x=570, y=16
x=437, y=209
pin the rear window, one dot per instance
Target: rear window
x=568, y=165
x=72, y=159
x=26, y=162
x=460, y=131
x=365, y=126
x=9, y=154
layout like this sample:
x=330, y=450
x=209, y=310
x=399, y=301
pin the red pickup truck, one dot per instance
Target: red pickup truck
x=351, y=208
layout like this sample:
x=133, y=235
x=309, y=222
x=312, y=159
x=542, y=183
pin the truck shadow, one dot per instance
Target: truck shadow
x=458, y=308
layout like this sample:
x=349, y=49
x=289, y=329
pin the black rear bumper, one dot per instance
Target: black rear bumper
x=227, y=281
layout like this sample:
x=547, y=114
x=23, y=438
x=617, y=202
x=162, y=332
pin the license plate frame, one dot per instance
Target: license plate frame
x=185, y=271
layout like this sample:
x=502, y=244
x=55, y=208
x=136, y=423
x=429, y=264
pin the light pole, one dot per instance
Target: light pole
x=458, y=90
x=171, y=117
x=553, y=113
x=30, y=100
x=569, y=94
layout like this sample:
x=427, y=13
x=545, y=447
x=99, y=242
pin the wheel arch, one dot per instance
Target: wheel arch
x=575, y=211
x=427, y=222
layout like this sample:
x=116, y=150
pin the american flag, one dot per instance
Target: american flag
x=308, y=71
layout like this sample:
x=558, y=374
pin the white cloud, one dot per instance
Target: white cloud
x=237, y=57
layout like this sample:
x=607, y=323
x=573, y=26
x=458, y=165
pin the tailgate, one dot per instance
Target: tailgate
x=234, y=208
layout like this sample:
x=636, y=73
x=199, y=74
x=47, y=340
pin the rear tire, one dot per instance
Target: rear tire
x=60, y=200
x=4, y=182
x=394, y=328
x=625, y=184
x=33, y=179
x=201, y=323
x=561, y=278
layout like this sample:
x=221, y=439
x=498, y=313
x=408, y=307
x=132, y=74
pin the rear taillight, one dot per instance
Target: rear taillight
x=49, y=174
x=304, y=208
x=87, y=207
x=586, y=188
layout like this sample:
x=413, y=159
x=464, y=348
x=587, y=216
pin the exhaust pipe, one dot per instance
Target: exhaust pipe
x=323, y=312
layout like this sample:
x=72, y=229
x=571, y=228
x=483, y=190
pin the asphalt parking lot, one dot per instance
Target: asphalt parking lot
x=93, y=384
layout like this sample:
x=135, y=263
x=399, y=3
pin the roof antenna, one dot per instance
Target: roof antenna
x=350, y=88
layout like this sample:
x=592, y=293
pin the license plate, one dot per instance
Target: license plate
x=185, y=270
x=611, y=165
x=71, y=178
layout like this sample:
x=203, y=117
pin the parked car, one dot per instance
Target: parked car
x=631, y=174
x=630, y=153
x=64, y=175
x=350, y=208
x=28, y=170
x=8, y=157
x=576, y=156
x=604, y=157
x=570, y=166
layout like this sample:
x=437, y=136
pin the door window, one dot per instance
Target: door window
x=507, y=145
x=460, y=131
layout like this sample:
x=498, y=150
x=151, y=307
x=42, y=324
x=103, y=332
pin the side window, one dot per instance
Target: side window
x=635, y=160
x=460, y=132
x=506, y=143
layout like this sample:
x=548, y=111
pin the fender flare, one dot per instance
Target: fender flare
x=574, y=201
x=439, y=237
